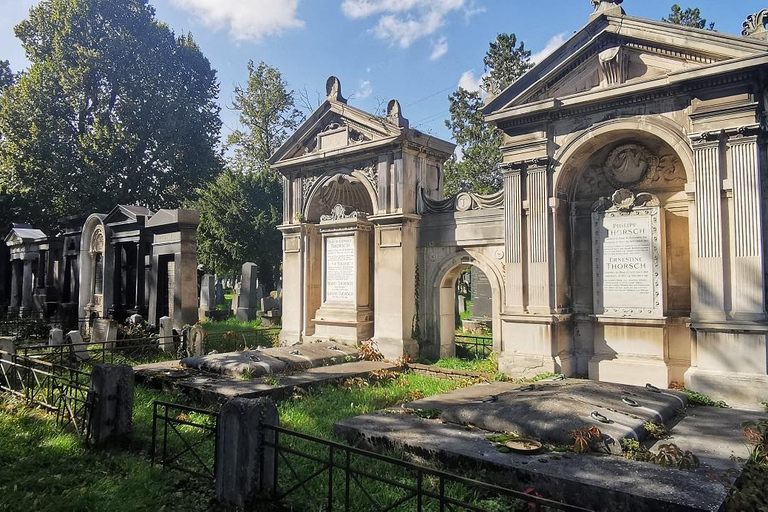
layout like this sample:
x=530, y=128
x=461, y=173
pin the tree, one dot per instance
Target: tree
x=240, y=211
x=114, y=108
x=480, y=143
x=6, y=75
x=690, y=17
x=267, y=113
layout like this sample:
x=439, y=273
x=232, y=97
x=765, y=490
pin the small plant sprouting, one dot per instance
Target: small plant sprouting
x=369, y=351
x=272, y=380
x=672, y=456
x=584, y=438
x=656, y=430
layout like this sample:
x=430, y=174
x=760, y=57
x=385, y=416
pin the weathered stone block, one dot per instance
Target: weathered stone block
x=111, y=396
x=244, y=467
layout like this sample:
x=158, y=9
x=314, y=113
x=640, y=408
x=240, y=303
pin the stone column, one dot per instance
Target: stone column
x=294, y=253
x=117, y=279
x=16, y=282
x=42, y=268
x=539, y=299
x=747, y=263
x=27, y=303
x=513, y=233
x=707, y=270
x=141, y=305
x=395, y=284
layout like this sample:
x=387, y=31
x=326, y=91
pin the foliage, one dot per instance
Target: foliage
x=656, y=430
x=751, y=491
x=633, y=450
x=47, y=469
x=268, y=114
x=586, y=439
x=130, y=331
x=756, y=434
x=690, y=17
x=239, y=212
x=696, y=398
x=480, y=143
x=672, y=456
x=369, y=351
x=6, y=75
x=114, y=108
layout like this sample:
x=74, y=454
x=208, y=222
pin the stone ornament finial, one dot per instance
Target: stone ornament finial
x=333, y=90
x=611, y=7
x=754, y=26
x=395, y=114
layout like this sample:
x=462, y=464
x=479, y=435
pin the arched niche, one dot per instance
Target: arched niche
x=347, y=187
x=95, y=280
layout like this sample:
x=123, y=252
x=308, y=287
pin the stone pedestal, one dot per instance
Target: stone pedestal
x=345, y=314
x=111, y=397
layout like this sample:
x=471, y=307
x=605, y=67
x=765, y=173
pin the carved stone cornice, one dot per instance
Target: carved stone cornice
x=533, y=163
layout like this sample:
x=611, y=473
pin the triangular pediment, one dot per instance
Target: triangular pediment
x=335, y=126
x=126, y=214
x=612, y=52
x=21, y=235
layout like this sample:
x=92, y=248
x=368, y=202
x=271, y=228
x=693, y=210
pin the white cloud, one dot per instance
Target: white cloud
x=364, y=89
x=552, y=45
x=470, y=82
x=251, y=20
x=439, y=48
x=401, y=22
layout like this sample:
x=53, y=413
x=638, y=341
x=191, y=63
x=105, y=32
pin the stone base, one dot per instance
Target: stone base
x=245, y=314
x=633, y=371
x=393, y=348
x=740, y=389
x=350, y=333
x=531, y=365
x=204, y=314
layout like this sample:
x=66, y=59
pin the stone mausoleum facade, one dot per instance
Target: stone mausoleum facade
x=126, y=262
x=627, y=243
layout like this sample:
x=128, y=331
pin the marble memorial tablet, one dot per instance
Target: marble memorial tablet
x=340, y=269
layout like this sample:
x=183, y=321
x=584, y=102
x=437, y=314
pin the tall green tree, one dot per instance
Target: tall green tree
x=114, y=108
x=690, y=17
x=268, y=115
x=240, y=211
x=479, y=143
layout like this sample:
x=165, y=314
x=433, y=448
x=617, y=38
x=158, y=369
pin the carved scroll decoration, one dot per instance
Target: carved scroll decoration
x=462, y=202
x=755, y=25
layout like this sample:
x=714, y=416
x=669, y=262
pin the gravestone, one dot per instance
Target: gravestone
x=461, y=303
x=195, y=341
x=207, y=296
x=235, y=298
x=167, y=339
x=79, y=348
x=628, y=250
x=246, y=306
x=271, y=311
x=136, y=319
x=55, y=337
x=482, y=301
x=219, y=292
x=104, y=331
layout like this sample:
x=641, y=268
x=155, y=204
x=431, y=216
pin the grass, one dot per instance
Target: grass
x=227, y=306
x=488, y=365
x=316, y=412
x=231, y=324
x=47, y=469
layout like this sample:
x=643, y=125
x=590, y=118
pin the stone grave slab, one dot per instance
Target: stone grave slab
x=599, y=482
x=104, y=331
x=550, y=411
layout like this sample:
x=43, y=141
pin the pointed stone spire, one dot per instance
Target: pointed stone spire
x=610, y=7
x=333, y=90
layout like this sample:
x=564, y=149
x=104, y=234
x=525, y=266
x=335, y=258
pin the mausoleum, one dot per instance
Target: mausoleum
x=627, y=243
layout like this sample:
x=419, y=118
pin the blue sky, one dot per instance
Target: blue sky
x=417, y=51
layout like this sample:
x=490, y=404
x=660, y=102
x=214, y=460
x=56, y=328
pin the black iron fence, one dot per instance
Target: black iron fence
x=473, y=347
x=310, y=473
x=184, y=438
x=123, y=351
x=56, y=388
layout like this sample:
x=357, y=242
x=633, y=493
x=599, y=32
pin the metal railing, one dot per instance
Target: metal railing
x=316, y=474
x=473, y=347
x=187, y=439
x=56, y=388
x=123, y=351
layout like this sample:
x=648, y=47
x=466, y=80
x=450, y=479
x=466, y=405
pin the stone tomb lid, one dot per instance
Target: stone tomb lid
x=549, y=411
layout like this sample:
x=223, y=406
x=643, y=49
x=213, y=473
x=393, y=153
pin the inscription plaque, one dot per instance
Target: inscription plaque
x=340, y=272
x=627, y=247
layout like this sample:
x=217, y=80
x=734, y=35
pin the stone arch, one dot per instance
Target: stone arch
x=93, y=230
x=442, y=296
x=344, y=186
x=658, y=128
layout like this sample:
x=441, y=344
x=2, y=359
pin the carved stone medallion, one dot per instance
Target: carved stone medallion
x=628, y=165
